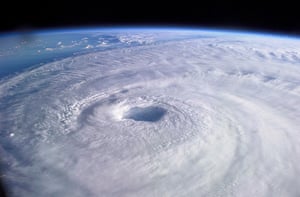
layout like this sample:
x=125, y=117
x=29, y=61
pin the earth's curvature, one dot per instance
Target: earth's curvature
x=150, y=112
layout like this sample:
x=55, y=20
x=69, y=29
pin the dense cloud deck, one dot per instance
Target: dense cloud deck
x=160, y=113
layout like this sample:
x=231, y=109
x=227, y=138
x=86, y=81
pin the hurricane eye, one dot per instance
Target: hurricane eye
x=147, y=114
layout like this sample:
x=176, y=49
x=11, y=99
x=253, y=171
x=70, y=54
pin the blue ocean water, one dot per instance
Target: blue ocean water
x=19, y=52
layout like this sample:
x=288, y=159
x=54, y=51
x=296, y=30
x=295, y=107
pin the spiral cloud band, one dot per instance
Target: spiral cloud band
x=210, y=115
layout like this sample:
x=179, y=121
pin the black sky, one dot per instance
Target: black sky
x=281, y=17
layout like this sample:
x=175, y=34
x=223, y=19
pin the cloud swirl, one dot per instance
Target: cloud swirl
x=205, y=116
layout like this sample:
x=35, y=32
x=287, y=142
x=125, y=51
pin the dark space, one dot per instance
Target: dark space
x=272, y=16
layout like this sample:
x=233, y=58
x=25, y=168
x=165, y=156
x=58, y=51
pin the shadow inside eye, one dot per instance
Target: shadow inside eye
x=148, y=114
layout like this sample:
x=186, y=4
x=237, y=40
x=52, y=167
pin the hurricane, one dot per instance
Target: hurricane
x=155, y=113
